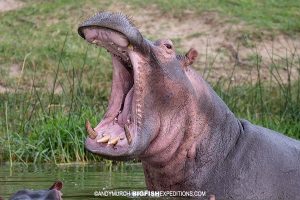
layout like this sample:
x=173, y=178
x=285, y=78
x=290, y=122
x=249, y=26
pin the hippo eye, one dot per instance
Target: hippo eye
x=168, y=46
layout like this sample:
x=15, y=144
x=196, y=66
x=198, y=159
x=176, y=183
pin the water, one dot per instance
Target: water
x=80, y=180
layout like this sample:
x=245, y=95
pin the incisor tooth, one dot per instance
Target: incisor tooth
x=104, y=139
x=114, y=141
x=127, y=134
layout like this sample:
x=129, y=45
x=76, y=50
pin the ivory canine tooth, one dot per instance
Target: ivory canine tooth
x=91, y=132
x=104, y=139
x=114, y=141
x=127, y=134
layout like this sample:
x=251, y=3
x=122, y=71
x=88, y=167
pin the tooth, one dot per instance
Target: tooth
x=115, y=120
x=94, y=41
x=91, y=132
x=114, y=141
x=130, y=47
x=104, y=139
x=127, y=134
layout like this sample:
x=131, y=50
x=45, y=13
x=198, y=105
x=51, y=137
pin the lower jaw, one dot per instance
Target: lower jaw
x=116, y=154
x=114, y=137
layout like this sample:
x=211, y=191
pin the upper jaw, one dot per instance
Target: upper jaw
x=114, y=21
x=115, y=43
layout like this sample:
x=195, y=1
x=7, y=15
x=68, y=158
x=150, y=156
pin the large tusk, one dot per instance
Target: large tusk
x=114, y=141
x=91, y=132
x=127, y=134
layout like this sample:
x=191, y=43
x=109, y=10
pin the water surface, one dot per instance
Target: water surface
x=80, y=180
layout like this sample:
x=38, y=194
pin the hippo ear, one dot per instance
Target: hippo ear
x=57, y=185
x=190, y=57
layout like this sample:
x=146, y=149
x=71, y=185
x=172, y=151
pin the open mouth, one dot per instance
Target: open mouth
x=116, y=132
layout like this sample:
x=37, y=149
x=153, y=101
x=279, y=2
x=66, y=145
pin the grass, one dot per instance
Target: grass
x=265, y=104
x=275, y=15
x=58, y=89
x=63, y=81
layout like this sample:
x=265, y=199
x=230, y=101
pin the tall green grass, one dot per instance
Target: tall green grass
x=273, y=103
x=42, y=126
x=40, y=123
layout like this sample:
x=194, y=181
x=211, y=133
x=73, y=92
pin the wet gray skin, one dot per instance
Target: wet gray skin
x=53, y=193
x=162, y=112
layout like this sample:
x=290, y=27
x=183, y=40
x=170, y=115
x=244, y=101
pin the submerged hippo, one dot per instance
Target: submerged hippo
x=53, y=193
x=162, y=112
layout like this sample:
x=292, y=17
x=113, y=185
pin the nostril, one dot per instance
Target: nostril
x=168, y=46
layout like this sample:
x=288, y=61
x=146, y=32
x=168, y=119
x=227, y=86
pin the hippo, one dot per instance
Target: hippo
x=53, y=193
x=164, y=113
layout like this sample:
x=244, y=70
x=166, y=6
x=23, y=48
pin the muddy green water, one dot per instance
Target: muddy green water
x=80, y=180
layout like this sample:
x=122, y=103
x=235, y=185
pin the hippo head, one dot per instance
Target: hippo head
x=149, y=87
x=53, y=193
